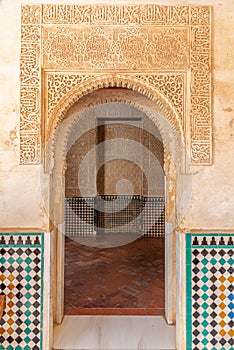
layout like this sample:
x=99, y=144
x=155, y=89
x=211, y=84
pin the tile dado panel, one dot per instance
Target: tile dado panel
x=21, y=281
x=210, y=291
x=71, y=49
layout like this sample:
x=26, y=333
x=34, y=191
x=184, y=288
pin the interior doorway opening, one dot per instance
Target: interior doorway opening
x=68, y=126
x=115, y=216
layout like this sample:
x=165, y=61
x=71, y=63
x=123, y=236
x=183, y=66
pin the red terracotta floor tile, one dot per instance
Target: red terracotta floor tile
x=126, y=280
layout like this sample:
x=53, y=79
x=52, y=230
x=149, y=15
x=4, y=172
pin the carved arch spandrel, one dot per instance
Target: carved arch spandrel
x=123, y=81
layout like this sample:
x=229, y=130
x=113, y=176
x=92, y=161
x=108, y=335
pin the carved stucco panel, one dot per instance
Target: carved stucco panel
x=200, y=117
x=114, y=47
x=30, y=85
x=160, y=45
x=58, y=85
x=172, y=86
x=116, y=15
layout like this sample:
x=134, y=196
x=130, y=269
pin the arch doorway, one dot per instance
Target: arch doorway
x=115, y=210
x=173, y=163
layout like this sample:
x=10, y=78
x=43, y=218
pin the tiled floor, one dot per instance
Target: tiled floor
x=126, y=280
x=114, y=332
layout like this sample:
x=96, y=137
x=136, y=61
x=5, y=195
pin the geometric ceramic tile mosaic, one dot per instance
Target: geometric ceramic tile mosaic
x=210, y=291
x=21, y=281
x=114, y=213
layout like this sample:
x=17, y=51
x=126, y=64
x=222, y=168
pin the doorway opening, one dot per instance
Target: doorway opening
x=82, y=117
x=115, y=216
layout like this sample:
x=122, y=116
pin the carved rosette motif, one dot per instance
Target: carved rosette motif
x=158, y=45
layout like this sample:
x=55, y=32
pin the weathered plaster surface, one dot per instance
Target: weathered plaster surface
x=212, y=198
x=19, y=186
x=212, y=201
